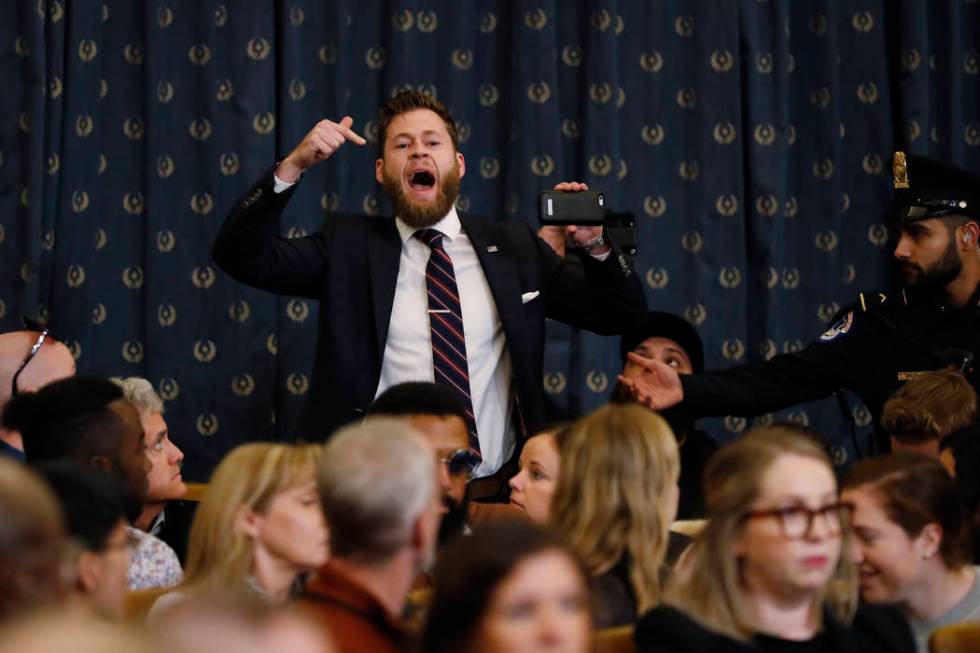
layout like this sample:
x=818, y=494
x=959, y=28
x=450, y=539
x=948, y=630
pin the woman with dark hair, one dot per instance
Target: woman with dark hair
x=512, y=588
x=913, y=539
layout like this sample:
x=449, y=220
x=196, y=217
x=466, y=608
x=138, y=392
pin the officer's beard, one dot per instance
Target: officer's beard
x=939, y=274
x=421, y=215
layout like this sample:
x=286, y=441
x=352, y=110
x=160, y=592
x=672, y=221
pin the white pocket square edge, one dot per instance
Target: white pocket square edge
x=528, y=296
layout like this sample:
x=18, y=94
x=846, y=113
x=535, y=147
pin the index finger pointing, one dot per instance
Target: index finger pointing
x=642, y=361
x=353, y=137
x=345, y=129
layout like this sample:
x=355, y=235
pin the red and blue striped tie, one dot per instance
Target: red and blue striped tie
x=446, y=326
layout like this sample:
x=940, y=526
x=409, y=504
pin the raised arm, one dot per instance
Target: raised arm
x=247, y=246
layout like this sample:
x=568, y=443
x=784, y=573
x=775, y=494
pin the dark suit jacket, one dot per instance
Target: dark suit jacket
x=351, y=266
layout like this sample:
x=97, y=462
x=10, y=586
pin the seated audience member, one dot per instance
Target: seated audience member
x=32, y=543
x=88, y=420
x=513, y=588
x=615, y=500
x=928, y=408
x=913, y=540
x=960, y=455
x=671, y=340
x=769, y=572
x=435, y=411
x=533, y=486
x=163, y=514
x=381, y=496
x=28, y=360
x=259, y=528
x=96, y=511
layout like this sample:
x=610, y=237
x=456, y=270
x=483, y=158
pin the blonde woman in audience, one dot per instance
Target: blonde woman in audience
x=533, y=486
x=260, y=526
x=770, y=572
x=615, y=500
x=512, y=588
x=913, y=537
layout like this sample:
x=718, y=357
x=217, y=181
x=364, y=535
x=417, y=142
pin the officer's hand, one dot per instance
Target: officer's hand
x=323, y=140
x=658, y=387
x=558, y=236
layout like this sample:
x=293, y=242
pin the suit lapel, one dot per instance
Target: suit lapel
x=384, y=253
x=498, y=268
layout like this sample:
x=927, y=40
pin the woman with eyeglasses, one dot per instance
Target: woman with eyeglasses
x=913, y=541
x=769, y=571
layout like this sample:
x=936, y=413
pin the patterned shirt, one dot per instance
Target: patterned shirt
x=153, y=563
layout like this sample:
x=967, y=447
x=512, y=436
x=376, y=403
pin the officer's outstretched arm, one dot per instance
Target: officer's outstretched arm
x=658, y=388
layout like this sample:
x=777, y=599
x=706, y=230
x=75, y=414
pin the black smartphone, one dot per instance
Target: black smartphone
x=557, y=207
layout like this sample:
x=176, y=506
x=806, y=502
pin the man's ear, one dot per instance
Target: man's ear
x=969, y=235
x=379, y=169
x=462, y=164
x=89, y=566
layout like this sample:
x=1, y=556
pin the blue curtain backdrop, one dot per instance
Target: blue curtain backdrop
x=751, y=138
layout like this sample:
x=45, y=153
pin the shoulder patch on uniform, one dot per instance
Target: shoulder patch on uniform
x=839, y=328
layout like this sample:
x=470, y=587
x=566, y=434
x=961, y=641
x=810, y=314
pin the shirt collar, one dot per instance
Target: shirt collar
x=449, y=225
x=158, y=522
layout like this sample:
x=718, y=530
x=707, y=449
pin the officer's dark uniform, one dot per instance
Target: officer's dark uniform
x=876, y=343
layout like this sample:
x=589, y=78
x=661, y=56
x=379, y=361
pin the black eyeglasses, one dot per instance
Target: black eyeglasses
x=36, y=347
x=461, y=462
x=796, y=522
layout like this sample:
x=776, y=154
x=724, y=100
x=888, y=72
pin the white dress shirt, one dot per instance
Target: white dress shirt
x=408, y=349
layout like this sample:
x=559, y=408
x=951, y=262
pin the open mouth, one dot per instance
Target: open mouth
x=421, y=180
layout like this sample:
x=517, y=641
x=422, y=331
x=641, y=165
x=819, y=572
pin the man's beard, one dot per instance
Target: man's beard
x=940, y=273
x=453, y=523
x=422, y=215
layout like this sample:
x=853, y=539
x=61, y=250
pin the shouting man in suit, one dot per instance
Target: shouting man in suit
x=431, y=294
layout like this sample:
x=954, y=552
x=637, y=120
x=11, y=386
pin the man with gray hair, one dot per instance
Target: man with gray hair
x=163, y=514
x=381, y=498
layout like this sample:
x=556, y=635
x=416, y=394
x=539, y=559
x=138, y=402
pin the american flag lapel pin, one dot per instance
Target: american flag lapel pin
x=491, y=248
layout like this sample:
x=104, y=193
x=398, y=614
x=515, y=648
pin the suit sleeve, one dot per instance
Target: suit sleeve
x=812, y=373
x=604, y=297
x=250, y=251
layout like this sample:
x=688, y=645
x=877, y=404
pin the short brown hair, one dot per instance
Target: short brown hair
x=916, y=490
x=930, y=407
x=411, y=101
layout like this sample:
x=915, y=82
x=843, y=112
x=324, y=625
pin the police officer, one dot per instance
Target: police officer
x=884, y=338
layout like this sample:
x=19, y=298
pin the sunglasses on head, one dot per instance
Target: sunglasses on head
x=44, y=334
